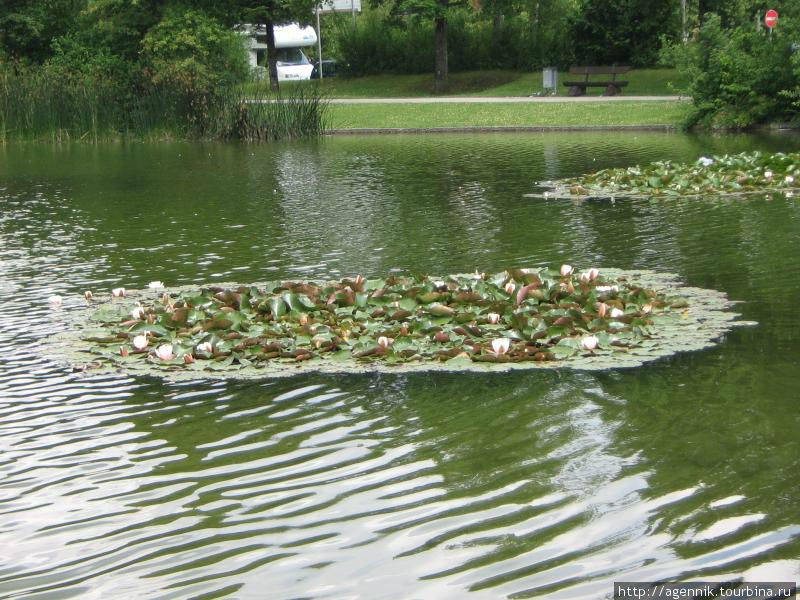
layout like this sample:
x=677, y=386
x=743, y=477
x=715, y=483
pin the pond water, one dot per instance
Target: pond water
x=537, y=484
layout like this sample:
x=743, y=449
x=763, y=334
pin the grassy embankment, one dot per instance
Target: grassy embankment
x=569, y=113
x=643, y=82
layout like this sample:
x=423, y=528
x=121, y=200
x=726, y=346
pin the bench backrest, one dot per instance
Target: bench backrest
x=612, y=70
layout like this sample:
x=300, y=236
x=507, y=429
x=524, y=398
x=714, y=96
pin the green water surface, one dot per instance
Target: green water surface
x=536, y=484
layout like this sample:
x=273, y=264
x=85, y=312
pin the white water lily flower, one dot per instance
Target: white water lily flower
x=789, y=179
x=384, y=342
x=584, y=278
x=54, y=301
x=493, y=318
x=589, y=342
x=164, y=352
x=188, y=359
x=602, y=289
x=138, y=313
x=767, y=174
x=88, y=294
x=602, y=309
x=205, y=348
x=118, y=292
x=510, y=287
x=566, y=270
x=593, y=273
x=705, y=161
x=155, y=285
x=140, y=342
x=501, y=345
x=616, y=313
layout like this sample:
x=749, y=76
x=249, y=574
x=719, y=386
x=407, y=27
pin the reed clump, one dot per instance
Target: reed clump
x=38, y=103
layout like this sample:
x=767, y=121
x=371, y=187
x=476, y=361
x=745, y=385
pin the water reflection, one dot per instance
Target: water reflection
x=540, y=484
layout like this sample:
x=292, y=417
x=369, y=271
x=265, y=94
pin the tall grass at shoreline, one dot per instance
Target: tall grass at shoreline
x=37, y=104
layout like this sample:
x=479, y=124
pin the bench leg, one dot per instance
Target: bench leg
x=611, y=90
x=577, y=90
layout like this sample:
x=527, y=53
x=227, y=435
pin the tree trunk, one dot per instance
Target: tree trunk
x=497, y=34
x=272, y=59
x=702, y=9
x=440, y=83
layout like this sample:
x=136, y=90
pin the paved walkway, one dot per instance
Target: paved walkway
x=506, y=99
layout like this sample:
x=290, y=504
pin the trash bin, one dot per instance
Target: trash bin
x=550, y=80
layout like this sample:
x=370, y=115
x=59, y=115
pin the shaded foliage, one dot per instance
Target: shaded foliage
x=403, y=44
x=28, y=27
x=605, y=32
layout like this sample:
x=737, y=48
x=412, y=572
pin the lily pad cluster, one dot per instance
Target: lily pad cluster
x=738, y=174
x=520, y=318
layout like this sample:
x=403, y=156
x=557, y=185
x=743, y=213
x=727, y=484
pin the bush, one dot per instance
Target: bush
x=190, y=59
x=738, y=77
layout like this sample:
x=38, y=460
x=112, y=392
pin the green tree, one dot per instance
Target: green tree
x=437, y=11
x=28, y=27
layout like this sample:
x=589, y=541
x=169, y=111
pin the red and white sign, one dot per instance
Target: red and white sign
x=771, y=18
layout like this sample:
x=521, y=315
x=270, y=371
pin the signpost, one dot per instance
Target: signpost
x=333, y=6
x=771, y=19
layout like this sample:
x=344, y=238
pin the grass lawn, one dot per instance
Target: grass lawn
x=356, y=116
x=656, y=82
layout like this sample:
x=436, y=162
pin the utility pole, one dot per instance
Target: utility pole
x=684, y=36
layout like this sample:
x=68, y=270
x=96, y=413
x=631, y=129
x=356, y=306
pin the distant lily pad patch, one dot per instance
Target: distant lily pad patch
x=729, y=175
x=516, y=319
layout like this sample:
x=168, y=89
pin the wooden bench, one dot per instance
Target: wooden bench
x=578, y=88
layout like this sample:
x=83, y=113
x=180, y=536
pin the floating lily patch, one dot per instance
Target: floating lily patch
x=739, y=174
x=520, y=318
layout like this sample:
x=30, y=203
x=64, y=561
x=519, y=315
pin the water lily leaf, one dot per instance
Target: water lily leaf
x=153, y=328
x=440, y=310
x=277, y=307
x=111, y=313
x=305, y=301
x=561, y=352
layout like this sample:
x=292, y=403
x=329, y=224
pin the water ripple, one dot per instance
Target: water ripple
x=536, y=485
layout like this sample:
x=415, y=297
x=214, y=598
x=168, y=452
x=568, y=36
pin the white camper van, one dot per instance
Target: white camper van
x=293, y=64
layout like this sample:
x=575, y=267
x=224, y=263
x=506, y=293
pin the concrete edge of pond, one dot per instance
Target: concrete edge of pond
x=500, y=129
